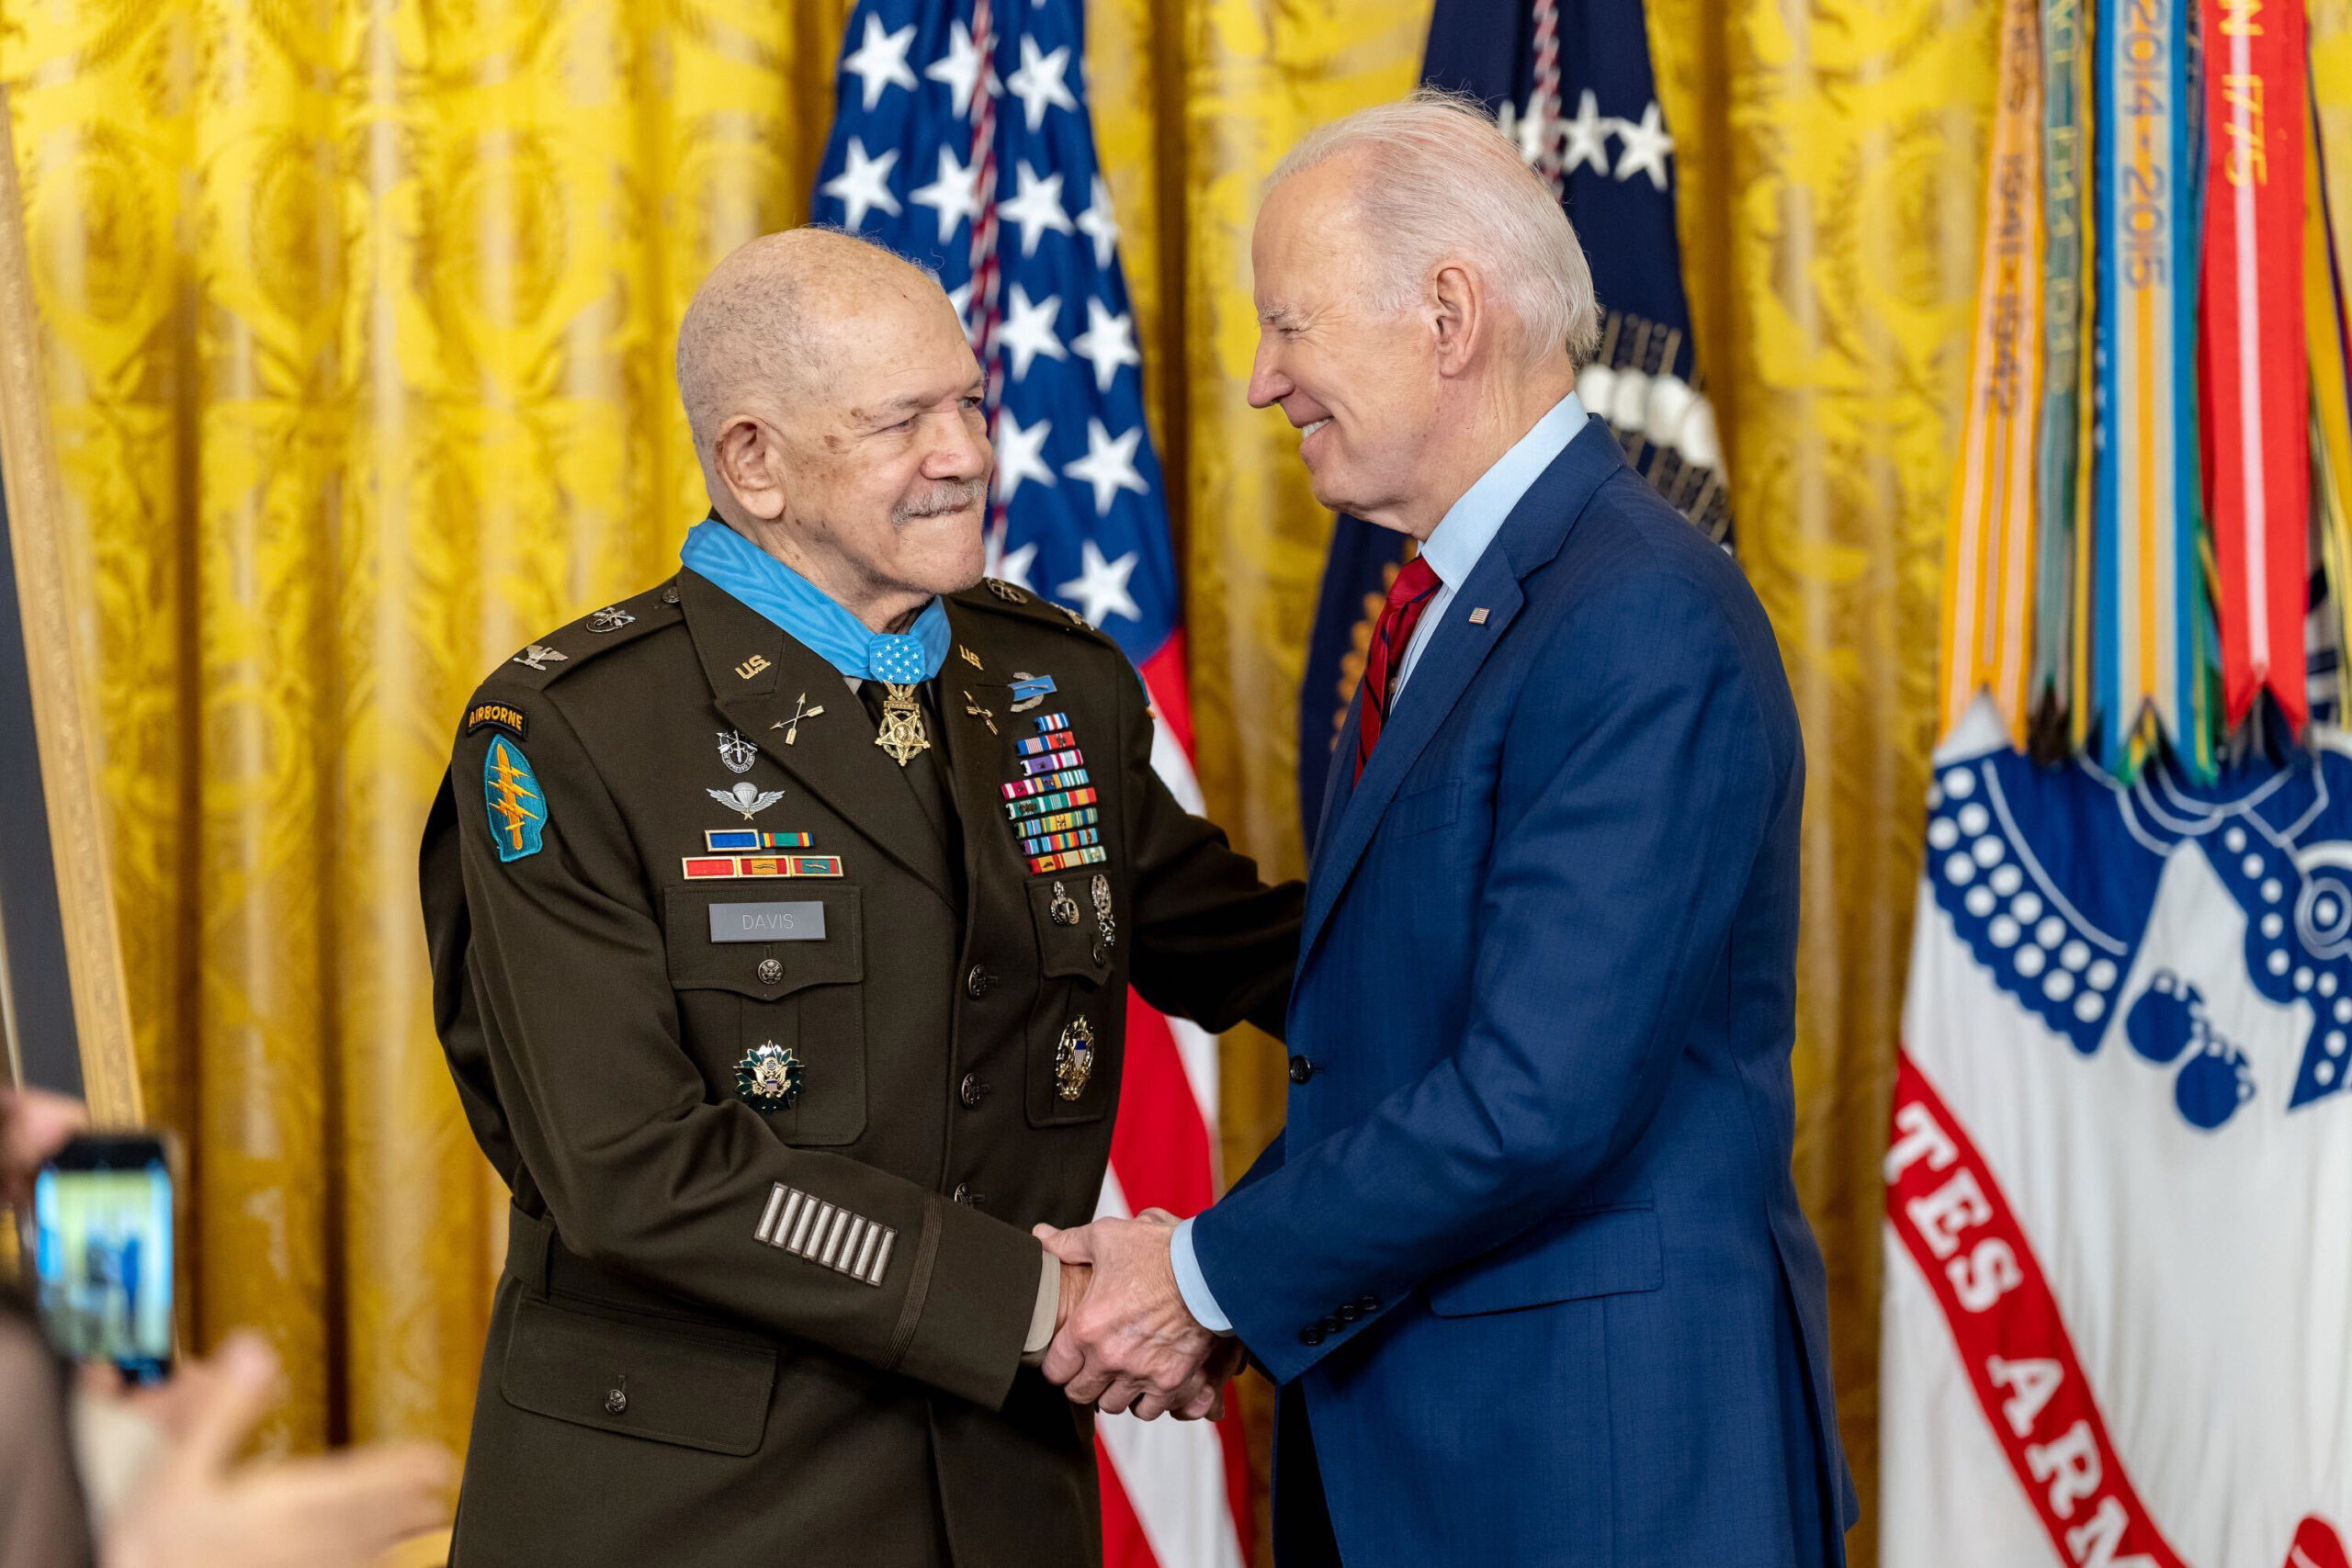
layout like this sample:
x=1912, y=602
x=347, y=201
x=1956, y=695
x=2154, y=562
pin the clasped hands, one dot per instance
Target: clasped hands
x=1124, y=1340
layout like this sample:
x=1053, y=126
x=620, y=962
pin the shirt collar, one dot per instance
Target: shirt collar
x=1471, y=524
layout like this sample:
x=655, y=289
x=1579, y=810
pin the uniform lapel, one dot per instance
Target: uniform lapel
x=1530, y=536
x=977, y=710
x=758, y=676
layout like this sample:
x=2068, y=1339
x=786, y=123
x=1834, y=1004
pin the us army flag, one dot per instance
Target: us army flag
x=2118, y=1246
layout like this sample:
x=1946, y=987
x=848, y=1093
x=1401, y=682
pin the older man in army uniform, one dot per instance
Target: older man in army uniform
x=782, y=922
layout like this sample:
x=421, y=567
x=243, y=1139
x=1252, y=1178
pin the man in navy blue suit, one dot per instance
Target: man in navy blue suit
x=1527, y=1263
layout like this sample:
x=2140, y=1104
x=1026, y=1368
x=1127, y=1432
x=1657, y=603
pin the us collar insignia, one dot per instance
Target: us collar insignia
x=501, y=716
x=1030, y=691
x=751, y=666
x=737, y=753
x=538, y=656
x=969, y=657
x=611, y=618
x=518, y=807
x=768, y=1077
x=1006, y=591
x=746, y=798
x=1074, y=1058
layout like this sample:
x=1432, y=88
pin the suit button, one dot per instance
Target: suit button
x=970, y=1091
x=979, y=982
x=1349, y=1312
x=1369, y=1304
x=1301, y=1070
x=966, y=1196
x=1310, y=1336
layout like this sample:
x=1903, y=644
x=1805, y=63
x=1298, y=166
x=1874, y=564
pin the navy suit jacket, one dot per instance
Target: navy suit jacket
x=1529, y=1243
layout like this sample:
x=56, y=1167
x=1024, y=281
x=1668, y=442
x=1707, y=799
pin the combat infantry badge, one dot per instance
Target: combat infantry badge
x=768, y=1077
x=1074, y=1058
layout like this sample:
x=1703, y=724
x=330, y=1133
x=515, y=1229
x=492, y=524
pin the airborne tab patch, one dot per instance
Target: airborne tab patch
x=501, y=715
x=518, y=811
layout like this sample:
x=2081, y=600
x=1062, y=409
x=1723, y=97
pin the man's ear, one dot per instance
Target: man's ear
x=751, y=465
x=1457, y=317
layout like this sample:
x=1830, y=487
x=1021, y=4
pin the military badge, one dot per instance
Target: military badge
x=1051, y=804
x=902, y=733
x=1030, y=691
x=1006, y=591
x=746, y=798
x=801, y=710
x=737, y=753
x=1074, y=1058
x=768, y=1077
x=751, y=667
x=611, y=618
x=518, y=807
x=969, y=657
x=1063, y=909
x=1104, y=926
x=538, y=656
x=497, y=716
x=986, y=716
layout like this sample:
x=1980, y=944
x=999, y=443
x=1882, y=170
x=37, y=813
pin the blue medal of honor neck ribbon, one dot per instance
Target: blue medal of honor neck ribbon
x=809, y=613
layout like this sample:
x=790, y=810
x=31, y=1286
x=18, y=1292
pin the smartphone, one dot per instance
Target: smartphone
x=102, y=1252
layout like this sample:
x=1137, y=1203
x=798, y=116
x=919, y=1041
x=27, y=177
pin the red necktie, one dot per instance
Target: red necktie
x=1407, y=597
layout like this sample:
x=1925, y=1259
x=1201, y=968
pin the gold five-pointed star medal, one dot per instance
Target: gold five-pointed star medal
x=901, y=735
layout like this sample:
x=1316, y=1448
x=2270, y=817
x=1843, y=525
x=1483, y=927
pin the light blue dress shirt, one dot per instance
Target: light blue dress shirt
x=1454, y=550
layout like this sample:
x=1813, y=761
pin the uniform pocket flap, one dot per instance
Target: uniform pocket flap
x=1591, y=1252
x=1069, y=939
x=641, y=1380
x=762, y=937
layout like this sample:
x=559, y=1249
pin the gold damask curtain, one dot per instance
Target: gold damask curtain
x=358, y=315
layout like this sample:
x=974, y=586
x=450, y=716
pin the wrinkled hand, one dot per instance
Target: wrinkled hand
x=199, y=1510
x=1130, y=1343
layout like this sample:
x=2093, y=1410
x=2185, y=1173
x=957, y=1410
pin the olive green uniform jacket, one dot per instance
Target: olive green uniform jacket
x=727, y=1337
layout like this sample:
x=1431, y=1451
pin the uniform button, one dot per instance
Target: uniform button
x=616, y=1402
x=1098, y=956
x=670, y=594
x=970, y=1091
x=979, y=982
x=1369, y=1304
x=1301, y=1070
x=1349, y=1312
x=770, y=971
x=966, y=1196
x=1310, y=1336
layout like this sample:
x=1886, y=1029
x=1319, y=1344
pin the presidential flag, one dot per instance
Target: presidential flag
x=961, y=139
x=2119, y=1206
x=1570, y=82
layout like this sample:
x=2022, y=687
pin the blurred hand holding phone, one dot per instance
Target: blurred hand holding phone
x=101, y=1252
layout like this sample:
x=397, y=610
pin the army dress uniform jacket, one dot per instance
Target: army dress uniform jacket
x=734, y=1335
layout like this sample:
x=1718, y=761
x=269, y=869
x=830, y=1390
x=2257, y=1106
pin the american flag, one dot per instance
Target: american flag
x=961, y=139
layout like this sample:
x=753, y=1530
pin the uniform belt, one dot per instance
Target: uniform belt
x=537, y=1259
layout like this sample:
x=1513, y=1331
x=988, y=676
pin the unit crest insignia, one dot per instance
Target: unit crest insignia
x=737, y=753
x=1074, y=1058
x=768, y=1077
x=611, y=618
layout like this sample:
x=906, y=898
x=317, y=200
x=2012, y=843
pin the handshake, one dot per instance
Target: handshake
x=1124, y=1339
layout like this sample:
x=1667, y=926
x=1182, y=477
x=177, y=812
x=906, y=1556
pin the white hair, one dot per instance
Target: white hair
x=1444, y=183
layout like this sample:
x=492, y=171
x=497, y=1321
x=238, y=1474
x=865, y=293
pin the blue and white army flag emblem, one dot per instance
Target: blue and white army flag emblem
x=768, y=1077
x=518, y=808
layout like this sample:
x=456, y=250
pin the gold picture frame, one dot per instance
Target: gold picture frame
x=61, y=957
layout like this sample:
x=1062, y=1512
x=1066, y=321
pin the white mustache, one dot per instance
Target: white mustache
x=949, y=495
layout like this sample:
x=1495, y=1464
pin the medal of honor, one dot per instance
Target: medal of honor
x=1074, y=1058
x=901, y=735
x=768, y=1077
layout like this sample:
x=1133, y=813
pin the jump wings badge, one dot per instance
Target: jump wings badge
x=518, y=807
x=1074, y=1058
x=746, y=798
x=768, y=1077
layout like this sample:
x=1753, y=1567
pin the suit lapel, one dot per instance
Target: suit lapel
x=835, y=757
x=1530, y=536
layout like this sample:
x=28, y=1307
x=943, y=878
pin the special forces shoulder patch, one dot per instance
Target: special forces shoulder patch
x=518, y=807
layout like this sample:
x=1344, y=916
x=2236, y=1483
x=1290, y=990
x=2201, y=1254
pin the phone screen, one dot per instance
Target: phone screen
x=102, y=1212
